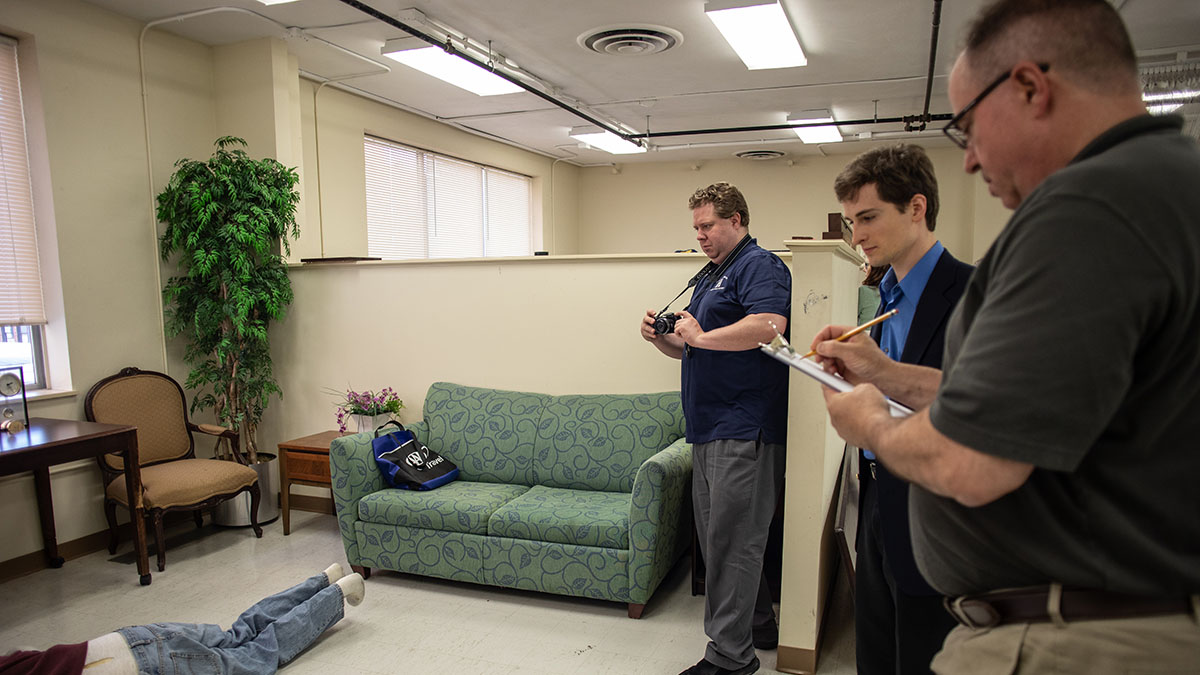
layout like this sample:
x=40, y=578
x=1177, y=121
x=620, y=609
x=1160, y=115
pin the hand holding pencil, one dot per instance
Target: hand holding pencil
x=855, y=331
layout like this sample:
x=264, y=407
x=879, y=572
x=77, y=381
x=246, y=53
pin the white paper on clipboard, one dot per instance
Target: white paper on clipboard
x=833, y=381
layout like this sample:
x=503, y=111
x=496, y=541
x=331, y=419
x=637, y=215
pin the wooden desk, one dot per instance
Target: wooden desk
x=48, y=442
x=303, y=461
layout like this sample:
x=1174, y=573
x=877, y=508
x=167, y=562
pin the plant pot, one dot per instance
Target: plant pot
x=236, y=512
x=368, y=423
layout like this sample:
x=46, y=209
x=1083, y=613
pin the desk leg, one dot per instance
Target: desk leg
x=133, y=487
x=285, y=484
x=41, y=482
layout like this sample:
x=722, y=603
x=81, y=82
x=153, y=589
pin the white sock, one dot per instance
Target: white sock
x=353, y=588
x=334, y=572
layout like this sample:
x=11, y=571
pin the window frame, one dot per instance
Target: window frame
x=427, y=187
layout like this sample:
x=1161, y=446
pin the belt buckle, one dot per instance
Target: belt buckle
x=972, y=612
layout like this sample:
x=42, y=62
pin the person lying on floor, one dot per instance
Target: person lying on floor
x=268, y=635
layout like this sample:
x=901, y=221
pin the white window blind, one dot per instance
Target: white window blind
x=20, y=275
x=424, y=205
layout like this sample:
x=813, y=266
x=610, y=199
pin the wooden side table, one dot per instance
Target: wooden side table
x=303, y=461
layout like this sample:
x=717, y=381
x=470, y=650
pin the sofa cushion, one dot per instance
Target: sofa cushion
x=460, y=506
x=598, y=442
x=562, y=516
x=488, y=433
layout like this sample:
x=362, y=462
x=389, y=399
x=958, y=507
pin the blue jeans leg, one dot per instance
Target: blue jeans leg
x=269, y=634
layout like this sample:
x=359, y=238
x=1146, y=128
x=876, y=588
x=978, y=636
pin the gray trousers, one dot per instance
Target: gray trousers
x=735, y=485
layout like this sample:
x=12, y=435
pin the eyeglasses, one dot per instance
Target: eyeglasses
x=955, y=132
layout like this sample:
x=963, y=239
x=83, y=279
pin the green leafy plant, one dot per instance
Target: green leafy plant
x=226, y=219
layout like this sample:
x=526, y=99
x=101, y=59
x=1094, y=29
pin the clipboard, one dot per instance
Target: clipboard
x=779, y=349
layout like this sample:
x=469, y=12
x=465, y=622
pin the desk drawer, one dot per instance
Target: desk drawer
x=308, y=466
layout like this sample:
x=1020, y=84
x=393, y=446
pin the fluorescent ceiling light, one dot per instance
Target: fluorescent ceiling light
x=605, y=140
x=275, y=2
x=446, y=67
x=759, y=32
x=816, y=134
x=1165, y=102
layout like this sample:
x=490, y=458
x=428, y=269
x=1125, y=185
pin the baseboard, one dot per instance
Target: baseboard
x=311, y=503
x=77, y=548
x=796, y=660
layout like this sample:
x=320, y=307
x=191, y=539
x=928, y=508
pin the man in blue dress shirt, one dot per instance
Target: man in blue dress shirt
x=890, y=196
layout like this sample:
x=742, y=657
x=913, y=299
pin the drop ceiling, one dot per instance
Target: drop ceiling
x=867, y=59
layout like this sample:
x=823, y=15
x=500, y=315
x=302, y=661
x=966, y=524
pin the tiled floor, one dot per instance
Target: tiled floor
x=406, y=624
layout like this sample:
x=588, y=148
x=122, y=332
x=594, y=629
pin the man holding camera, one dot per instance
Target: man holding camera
x=735, y=405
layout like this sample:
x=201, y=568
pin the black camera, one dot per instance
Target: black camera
x=664, y=323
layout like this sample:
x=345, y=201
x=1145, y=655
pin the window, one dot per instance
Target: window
x=423, y=205
x=22, y=311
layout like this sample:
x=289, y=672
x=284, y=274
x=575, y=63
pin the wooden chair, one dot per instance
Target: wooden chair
x=173, y=479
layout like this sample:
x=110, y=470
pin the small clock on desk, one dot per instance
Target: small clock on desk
x=12, y=385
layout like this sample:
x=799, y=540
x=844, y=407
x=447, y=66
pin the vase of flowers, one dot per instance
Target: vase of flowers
x=366, y=410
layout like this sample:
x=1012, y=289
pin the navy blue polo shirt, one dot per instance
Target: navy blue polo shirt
x=738, y=395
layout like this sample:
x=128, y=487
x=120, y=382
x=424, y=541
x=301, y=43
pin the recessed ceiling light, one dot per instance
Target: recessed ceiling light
x=275, y=2
x=607, y=141
x=758, y=31
x=448, y=68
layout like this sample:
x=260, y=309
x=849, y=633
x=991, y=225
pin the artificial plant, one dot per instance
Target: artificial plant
x=226, y=218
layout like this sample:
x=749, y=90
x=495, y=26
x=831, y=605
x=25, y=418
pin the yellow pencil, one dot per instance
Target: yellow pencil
x=855, y=331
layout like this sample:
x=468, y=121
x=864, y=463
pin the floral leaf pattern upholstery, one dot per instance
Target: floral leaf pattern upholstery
x=458, y=506
x=598, y=442
x=583, y=495
x=563, y=516
x=488, y=433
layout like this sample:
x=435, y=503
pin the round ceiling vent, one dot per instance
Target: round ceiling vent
x=759, y=155
x=630, y=40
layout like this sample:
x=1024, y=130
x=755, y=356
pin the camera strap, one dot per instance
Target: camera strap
x=711, y=269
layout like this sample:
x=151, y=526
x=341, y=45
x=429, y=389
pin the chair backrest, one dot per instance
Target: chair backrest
x=154, y=403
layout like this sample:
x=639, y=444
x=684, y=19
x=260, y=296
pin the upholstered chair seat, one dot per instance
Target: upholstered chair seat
x=174, y=484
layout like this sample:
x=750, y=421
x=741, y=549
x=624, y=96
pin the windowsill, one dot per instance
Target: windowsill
x=49, y=394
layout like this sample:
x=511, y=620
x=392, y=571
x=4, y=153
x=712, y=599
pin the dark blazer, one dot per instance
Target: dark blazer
x=924, y=346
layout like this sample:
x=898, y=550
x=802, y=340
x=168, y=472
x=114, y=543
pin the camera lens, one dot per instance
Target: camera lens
x=665, y=323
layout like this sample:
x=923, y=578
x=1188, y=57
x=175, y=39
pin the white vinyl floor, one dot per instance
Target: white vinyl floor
x=406, y=624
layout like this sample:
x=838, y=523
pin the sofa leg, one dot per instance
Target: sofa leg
x=364, y=571
x=635, y=611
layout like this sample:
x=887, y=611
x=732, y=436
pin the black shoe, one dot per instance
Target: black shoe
x=766, y=636
x=706, y=667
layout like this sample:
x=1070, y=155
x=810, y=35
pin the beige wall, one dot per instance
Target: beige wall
x=554, y=325
x=334, y=122
x=95, y=151
x=643, y=207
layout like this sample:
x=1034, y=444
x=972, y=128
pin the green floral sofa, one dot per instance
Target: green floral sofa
x=583, y=495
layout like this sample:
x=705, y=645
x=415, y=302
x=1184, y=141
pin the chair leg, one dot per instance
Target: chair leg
x=365, y=572
x=198, y=516
x=255, y=496
x=160, y=541
x=110, y=512
x=635, y=611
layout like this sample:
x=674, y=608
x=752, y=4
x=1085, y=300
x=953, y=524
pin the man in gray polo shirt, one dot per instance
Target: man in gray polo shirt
x=1055, y=460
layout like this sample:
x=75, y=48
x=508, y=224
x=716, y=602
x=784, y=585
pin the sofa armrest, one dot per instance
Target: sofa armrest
x=353, y=475
x=659, y=522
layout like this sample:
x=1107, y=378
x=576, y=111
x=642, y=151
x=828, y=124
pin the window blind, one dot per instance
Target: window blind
x=20, y=274
x=424, y=205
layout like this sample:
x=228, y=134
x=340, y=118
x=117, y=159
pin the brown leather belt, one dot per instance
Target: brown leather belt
x=1033, y=605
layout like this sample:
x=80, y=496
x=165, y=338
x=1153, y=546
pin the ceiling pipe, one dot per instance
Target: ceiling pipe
x=396, y=23
x=933, y=42
x=907, y=119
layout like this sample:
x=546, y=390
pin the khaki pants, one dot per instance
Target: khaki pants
x=1157, y=645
